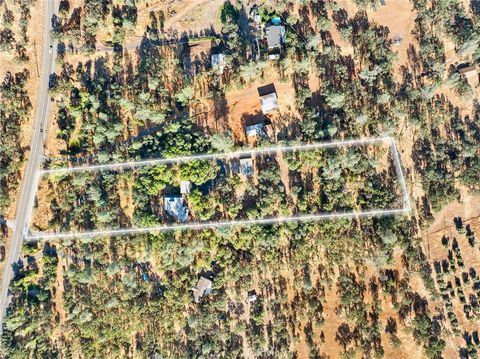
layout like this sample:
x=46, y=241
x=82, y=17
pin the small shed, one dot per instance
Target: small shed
x=470, y=74
x=185, y=187
x=268, y=98
x=218, y=61
x=252, y=296
x=175, y=206
x=203, y=287
x=246, y=166
x=255, y=129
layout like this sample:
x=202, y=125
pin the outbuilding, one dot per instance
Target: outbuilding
x=252, y=296
x=470, y=74
x=185, y=187
x=268, y=98
x=246, y=165
x=218, y=60
x=203, y=287
x=255, y=130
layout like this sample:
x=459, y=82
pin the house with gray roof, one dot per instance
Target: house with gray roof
x=275, y=35
x=175, y=206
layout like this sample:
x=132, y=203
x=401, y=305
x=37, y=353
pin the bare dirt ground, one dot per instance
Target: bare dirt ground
x=464, y=104
x=181, y=17
x=397, y=15
x=436, y=251
x=42, y=212
x=468, y=209
x=244, y=105
x=54, y=146
x=195, y=16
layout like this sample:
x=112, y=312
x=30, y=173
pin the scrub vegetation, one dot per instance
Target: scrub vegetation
x=17, y=61
x=368, y=287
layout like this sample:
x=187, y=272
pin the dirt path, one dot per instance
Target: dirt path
x=59, y=292
x=174, y=23
x=191, y=5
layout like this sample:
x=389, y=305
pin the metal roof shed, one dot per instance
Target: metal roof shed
x=470, y=74
x=185, y=187
x=255, y=130
x=268, y=98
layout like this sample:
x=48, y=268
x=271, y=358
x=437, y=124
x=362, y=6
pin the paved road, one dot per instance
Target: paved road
x=27, y=191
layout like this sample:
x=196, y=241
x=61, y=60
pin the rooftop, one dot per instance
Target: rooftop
x=185, y=187
x=470, y=74
x=255, y=130
x=246, y=166
x=274, y=35
x=203, y=287
x=252, y=296
x=175, y=206
x=219, y=61
x=268, y=98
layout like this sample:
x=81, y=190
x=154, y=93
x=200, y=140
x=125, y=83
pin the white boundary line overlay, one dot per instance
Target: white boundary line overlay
x=407, y=207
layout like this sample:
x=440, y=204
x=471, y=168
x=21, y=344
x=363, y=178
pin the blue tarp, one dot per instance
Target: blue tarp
x=276, y=21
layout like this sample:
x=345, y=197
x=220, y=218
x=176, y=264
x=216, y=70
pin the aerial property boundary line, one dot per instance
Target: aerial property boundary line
x=213, y=156
x=221, y=224
x=231, y=155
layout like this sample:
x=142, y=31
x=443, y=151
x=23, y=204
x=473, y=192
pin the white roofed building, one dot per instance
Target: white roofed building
x=268, y=98
x=185, y=187
x=218, y=61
